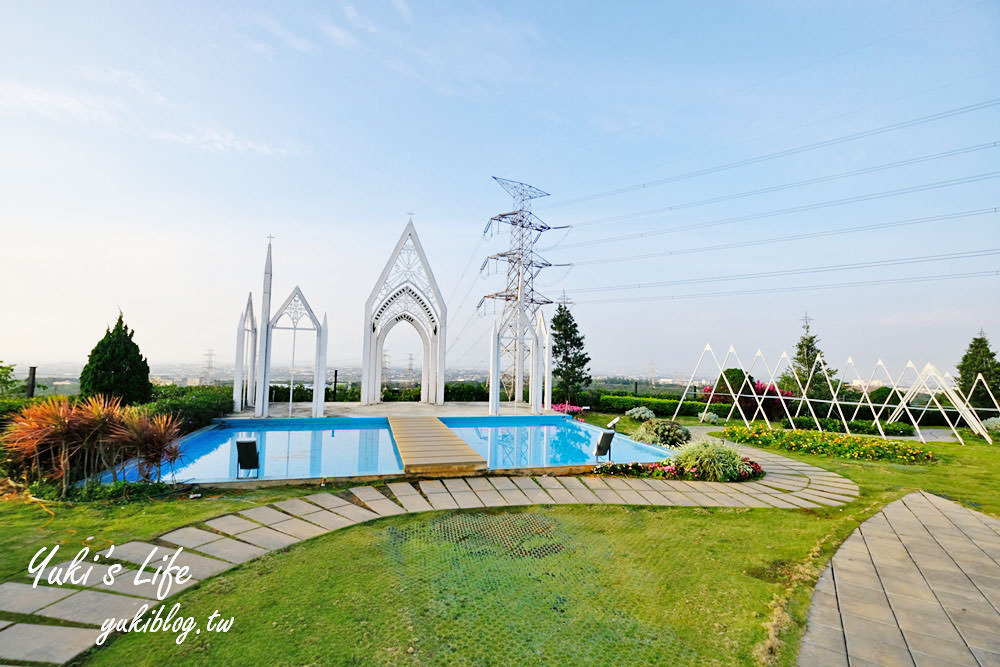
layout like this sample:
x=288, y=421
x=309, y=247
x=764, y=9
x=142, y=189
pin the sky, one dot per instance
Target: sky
x=147, y=150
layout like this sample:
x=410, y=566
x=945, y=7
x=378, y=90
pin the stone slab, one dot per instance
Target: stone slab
x=20, y=598
x=232, y=550
x=329, y=520
x=299, y=528
x=94, y=607
x=327, y=500
x=265, y=515
x=189, y=537
x=414, y=502
x=296, y=506
x=268, y=538
x=355, y=513
x=44, y=643
x=231, y=524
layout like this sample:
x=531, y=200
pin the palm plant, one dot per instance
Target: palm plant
x=43, y=439
x=150, y=440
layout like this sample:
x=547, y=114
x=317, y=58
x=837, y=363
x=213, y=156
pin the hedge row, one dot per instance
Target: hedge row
x=195, y=406
x=661, y=407
x=861, y=426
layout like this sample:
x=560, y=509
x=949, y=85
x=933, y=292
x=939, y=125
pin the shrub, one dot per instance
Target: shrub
x=93, y=491
x=863, y=426
x=709, y=417
x=700, y=461
x=992, y=424
x=661, y=407
x=466, y=391
x=116, y=367
x=662, y=432
x=829, y=444
x=640, y=413
x=194, y=407
x=11, y=406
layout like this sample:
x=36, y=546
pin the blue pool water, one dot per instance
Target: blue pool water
x=288, y=449
x=543, y=442
x=357, y=447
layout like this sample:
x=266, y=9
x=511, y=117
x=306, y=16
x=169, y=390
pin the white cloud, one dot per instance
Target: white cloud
x=213, y=140
x=61, y=104
x=342, y=38
x=403, y=9
x=287, y=37
x=357, y=20
x=113, y=76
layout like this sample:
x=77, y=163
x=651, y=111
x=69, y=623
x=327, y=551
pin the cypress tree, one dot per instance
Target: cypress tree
x=979, y=358
x=117, y=368
x=806, y=351
x=570, y=371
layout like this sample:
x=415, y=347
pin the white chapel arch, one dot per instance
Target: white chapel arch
x=407, y=292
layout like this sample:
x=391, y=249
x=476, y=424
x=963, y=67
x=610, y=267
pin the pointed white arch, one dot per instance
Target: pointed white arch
x=246, y=358
x=406, y=291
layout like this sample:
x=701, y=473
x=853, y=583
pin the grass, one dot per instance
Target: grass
x=535, y=585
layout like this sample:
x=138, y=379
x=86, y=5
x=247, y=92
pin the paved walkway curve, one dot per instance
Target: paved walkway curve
x=215, y=545
x=916, y=584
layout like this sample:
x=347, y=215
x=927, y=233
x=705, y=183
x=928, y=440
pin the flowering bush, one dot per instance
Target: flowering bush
x=566, y=408
x=640, y=413
x=702, y=461
x=829, y=444
x=662, y=432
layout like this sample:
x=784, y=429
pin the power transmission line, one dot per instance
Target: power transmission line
x=793, y=209
x=800, y=271
x=803, y=288
x=791, y=237
x=787, y=186
x=784, y=153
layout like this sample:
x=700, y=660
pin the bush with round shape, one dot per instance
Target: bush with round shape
x=709, y=418
x=662, y=432
x=992, y=424
x=640, y=413
x=711, y=461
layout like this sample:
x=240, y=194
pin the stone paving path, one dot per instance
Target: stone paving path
x=916, y=584
x=215, y=545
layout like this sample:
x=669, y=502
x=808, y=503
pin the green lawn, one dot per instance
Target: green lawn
x=532, y=585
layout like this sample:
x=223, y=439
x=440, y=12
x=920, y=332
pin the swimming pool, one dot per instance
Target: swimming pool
x=290, y=449
x=510, y=443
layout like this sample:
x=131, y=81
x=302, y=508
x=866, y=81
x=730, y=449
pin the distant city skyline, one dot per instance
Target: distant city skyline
x=724, y=168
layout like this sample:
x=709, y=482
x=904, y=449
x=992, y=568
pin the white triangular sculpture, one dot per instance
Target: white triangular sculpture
x=294, y=309
x=494, y=378
x=406, y=291
x=246, y=346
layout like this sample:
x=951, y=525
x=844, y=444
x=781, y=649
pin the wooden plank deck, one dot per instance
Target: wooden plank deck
x=426, y=445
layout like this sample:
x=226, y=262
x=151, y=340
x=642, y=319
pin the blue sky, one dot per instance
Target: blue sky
x=147, y=149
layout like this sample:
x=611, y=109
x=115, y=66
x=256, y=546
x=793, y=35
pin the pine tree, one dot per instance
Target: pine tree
x=117, y=368
x=979, y=358
x=806, y=351
x=570, y=372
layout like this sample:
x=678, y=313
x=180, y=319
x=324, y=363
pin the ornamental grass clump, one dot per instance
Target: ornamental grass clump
x=829, y=444
x=640, y=413
x=662, y=432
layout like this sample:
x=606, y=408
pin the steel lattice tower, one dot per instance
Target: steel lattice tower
x=521, y=301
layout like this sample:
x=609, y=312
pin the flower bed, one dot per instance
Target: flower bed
x=829, y=444
x=700, y=461
x=566, y=408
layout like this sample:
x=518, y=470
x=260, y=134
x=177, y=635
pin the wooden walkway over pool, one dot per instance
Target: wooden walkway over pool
x=426, y=445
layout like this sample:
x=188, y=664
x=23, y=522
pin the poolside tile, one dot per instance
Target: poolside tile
x=413, y=502
x=456, y=485
x=608, y=496
x=467, y=499
x=327, y=500
x=367, y=493
x=329, y=520
x=678, y=498
x=231, y=524
x=492, y=498
x=441, y=501
x=514, y=497
x=267, y=538
x=94, y=607
x=232, y=550
x=190, y=537
x=402, y=489
x=432, y=486
x=20, y=598
x=655, y=498
x=265, y=515
x=631, y=496
x=45, y=643
x=561, y=496
x=479, y=484
x=299, y=528
x=547, y=482
x=385, y=507
x=525, y=483
x=538, y=496
x=502, y=483
x=295, y=506
x=355, y=513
